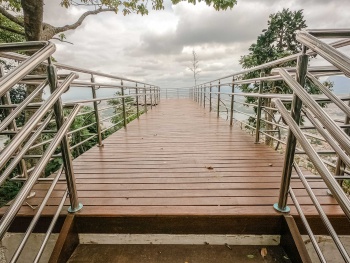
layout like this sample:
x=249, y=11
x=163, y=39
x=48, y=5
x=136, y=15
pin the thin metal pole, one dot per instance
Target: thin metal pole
x=5, y=100
x=51, y=226
x=159, y=94
x=258, y=111
x=123, y=105
x=197, y=89
x=210, y=105
x=35, y=219
x=97, y=115
x=218, y=106
x=150, y=96
x=66, y=154
x=205, y=90
x=307, y=227
x=232, y=101
x=323, y=215
x=281, y=206
x=145, y=97
x=137, y=102
x=340, y=168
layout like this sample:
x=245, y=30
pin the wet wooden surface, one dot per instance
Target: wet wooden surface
x=179, y=159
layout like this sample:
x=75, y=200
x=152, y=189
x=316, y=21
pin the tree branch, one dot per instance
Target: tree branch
x=62, y=40
x=12, y=30
x=11, y=17
x=81, y=19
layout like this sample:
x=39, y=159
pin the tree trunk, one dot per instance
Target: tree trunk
x=33, y=11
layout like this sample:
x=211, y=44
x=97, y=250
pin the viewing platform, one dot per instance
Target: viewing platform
x=131, y=166
x=181, y=161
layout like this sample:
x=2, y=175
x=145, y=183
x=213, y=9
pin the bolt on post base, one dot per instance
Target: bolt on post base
x=285, y=210
x=71, y=210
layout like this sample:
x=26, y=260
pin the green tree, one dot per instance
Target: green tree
x=118, y=110
x=277, y=41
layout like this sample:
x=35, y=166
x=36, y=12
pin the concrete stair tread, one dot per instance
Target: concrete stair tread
x=175, y=254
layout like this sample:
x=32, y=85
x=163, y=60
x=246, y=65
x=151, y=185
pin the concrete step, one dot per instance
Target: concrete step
x=150, y=253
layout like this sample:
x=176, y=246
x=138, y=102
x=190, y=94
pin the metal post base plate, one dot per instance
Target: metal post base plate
x=71, y=210
x=285, y=210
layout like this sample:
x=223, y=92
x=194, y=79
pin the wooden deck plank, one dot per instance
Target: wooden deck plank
x=179, y=160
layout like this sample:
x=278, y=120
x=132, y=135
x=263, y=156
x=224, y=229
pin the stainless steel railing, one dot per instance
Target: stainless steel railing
x=296, y=123
x=60, y=127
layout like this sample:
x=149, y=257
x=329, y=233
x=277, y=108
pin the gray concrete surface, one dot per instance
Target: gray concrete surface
x=11, y=241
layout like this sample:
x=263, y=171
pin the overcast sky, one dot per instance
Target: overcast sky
x=157, y=48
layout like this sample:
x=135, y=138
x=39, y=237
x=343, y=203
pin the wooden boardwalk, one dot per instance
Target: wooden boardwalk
x=180, y=160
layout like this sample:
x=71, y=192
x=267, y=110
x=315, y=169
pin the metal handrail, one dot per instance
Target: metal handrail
x=10, y=213
x=303, y=105
x=316, y=109
x=328, y=178
x=36, y=217
x=13, y=77
x=26, y=137
x=328, y=52
x=336, y=44
x=19, y=138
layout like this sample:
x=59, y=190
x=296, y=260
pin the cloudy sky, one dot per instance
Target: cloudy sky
x=157, y=48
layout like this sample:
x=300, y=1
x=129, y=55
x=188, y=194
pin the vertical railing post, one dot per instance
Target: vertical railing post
x=158, y=92
x=65, y=149
x=6, y=100
x=218, y=106
x=97, y=115
x=232, y=101
x=258, y=110
x=205, y=90
x=200, y=95
x=150, y=96
x=123, y=105
x=137, y=101
x=158, y=95
x=281, y=206
x=340, y=166
x=144, y=89
x=210, y=96
x=197, y=90
x=154, y=95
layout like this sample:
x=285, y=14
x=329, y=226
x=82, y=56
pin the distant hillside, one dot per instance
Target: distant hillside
x=341, y=84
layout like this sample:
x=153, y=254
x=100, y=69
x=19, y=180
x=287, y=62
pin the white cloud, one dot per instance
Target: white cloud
x=157, y=48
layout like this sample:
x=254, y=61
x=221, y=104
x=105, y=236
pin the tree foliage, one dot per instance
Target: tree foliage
x=278, y=40
x=118, y=110
x=275, y=42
